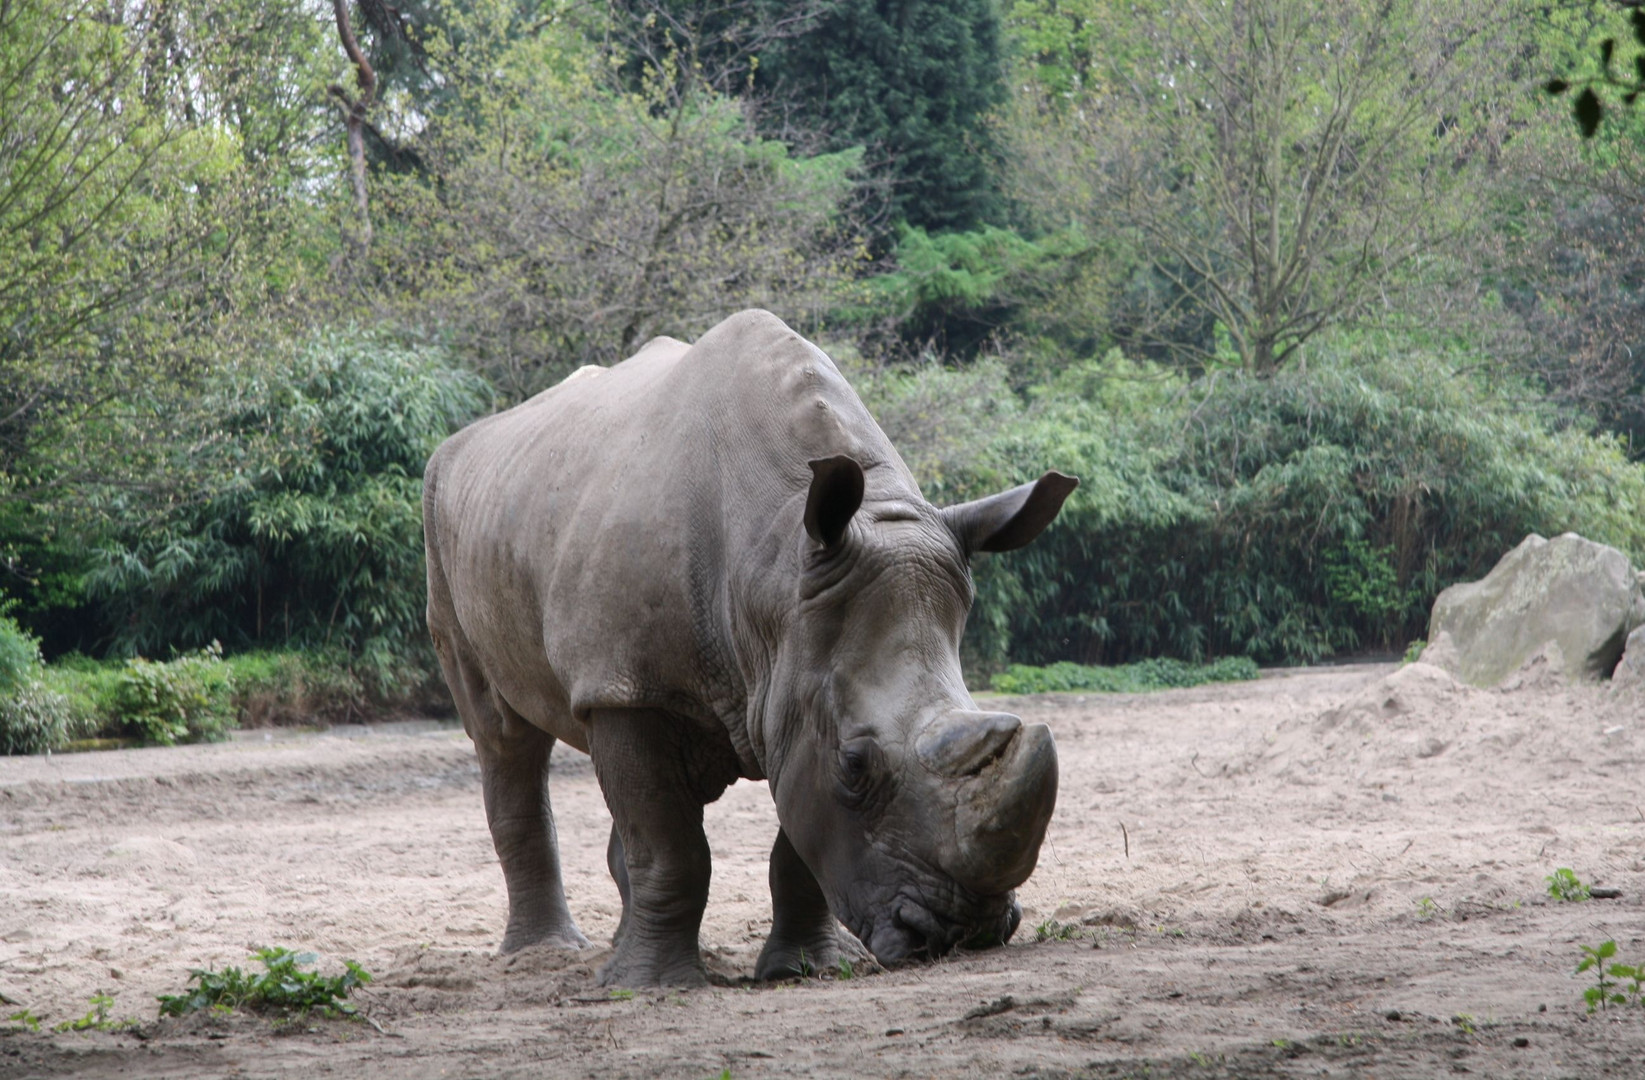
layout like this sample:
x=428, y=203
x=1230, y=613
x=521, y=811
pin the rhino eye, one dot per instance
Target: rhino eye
x=857, y=764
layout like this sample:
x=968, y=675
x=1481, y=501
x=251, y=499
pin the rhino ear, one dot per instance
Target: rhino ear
x=835, y=496
x=1012, y=518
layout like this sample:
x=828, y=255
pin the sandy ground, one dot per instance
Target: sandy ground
x=1326, y=872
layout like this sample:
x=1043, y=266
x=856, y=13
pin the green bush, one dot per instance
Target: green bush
x=33, y=717
x=1160, y=673
x=282, y=687
x=1288, y=518
x=313, y=536
x=91, y=689
x=203, y=695
x=19, y=652
x=189, y=699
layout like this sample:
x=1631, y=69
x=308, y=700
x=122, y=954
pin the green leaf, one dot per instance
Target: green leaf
x=1588, y=112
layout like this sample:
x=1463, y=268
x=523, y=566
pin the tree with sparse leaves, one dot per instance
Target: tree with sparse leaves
x=1276, y=168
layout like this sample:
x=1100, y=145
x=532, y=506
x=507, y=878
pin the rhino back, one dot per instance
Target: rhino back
x=632, y=537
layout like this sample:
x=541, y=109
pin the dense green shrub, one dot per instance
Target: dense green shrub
x=19, y=652
x=1287, y=518
x=313, y=535
x=1160, y=673
x=201, y=696
x=282, y=687
x=33, y=717
x=189, y=699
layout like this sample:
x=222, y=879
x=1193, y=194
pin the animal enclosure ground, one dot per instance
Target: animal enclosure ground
x=1324, y=872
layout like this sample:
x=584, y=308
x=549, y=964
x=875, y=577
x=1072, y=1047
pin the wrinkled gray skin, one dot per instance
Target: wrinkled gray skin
x=706, y=563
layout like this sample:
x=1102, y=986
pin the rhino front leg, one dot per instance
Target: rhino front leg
x=659, y=848
x=803, y=937
x=617, y=863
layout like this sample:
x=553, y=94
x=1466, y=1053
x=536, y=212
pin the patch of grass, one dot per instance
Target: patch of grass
x=96, y=1018
x=1162, y=673
x=622, y=995
x=281, y=988
x=844, y=970
x=1052, y=930
x=1566, y=887
x=1414, y=650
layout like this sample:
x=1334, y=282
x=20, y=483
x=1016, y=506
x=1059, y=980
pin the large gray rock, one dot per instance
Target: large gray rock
x=1582, y=596
x=1630, y=670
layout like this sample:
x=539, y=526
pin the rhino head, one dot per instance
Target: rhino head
x=917, y=812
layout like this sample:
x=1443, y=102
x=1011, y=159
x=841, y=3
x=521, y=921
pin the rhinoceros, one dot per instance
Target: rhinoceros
x=708, y=563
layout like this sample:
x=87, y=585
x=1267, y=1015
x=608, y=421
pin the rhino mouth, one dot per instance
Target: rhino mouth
x=911, y=931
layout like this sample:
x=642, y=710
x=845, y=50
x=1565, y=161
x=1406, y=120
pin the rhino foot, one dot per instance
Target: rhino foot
x=632, y=967
x=569, y=938
x=790, y=958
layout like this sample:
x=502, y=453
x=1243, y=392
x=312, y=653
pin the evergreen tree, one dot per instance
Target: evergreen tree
x=913, y=81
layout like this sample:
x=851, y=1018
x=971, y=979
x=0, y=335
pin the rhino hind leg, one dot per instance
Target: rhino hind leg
x=513, y=758
x=804, y=937
x=658, y=854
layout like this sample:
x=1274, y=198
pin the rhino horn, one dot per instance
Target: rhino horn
x=1003, y=811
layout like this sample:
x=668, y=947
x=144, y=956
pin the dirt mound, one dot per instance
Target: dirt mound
x=1417, y=713
x=1421, y=721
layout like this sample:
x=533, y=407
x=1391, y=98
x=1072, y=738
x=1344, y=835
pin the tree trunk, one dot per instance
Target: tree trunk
x=354, y=118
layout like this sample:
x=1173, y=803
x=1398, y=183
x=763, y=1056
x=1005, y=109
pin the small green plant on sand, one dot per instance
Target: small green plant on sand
x=1414, y=650
x=281, y=988
x=96, y=1018
x=622, y=995
x=1427, y=909
x=1052, y=930
x=1614, y=984
x=1564, y=885
x=845, y=970
x=24, y=1019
